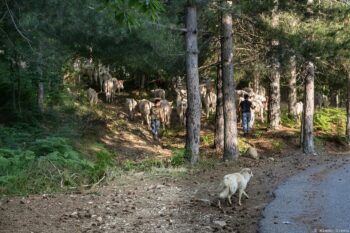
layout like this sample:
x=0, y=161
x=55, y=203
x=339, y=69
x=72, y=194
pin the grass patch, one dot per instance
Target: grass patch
x=258, y=133
x=207, y=140
x=289, y=121
x=44, y=159
x=48, y=165
x=278, y=145
x=330, y=121
x=171, y=132
x=243, y=146
x=178, y=159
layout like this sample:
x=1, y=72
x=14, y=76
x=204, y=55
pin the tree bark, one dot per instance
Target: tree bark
x=40, y=95
x=308, y=116
x=348, y=110
x=219, y=118
x=19, y=93
x=275, y=89
x=230, y=116
x=193, y=94
x=143, y=79
x=256, y=82
x=292, y=84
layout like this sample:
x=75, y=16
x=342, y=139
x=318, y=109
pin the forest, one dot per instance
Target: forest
x=124, y=115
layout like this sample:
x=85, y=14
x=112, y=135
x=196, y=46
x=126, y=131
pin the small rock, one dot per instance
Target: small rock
x=271, y=159
x=159, y=186
x=252, y=153
x=220, y=223
x=205, y=201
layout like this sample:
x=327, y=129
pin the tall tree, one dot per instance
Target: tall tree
x=275, y=89
x=348, y=110
x=219, y=117
x=40, y=95
x=347, y=70
x=230, y=118
x=308, y=117
x=193, y=95
x=292, y=85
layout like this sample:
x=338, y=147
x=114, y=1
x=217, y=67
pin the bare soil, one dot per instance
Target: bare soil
x=181, y=201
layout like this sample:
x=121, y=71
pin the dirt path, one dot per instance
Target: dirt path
x=143, y=202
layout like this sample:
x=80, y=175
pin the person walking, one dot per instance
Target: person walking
x=245, y=108
x=156, y=118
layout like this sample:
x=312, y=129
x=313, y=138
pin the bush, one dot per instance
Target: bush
x=129, y=165
x=330, y=120
x=49, y=164
x=288, y=121
x=179, y=158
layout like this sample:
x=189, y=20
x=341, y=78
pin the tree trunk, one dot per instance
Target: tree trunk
x=348, y=110
x=193, y=94
x=337, y=99
x=230, y=116
x=143, y=79
x=292, y=84
x=41, y=96
x=256, y=82
x=219, y=118
x=19, y=93
x=275, y=91
x=14, y=106
x=308, y=127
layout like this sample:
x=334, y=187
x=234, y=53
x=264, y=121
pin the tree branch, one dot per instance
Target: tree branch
x=14, y=23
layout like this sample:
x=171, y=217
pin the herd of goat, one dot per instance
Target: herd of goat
x=208, y=96
x=100, y=75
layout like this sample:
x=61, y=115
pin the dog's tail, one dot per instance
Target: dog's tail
x=224, y=192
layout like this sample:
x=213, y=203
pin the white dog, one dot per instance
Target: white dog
x=233, y=182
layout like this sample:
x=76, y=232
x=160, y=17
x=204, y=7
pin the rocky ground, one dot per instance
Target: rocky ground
x=165, y=200
x=149, y=202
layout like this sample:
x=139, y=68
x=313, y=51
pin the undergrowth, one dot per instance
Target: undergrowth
x=330, y=121
x=47, y=165
x=177, y=159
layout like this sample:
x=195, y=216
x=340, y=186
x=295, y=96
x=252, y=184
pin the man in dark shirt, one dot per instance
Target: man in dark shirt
x=245, y=107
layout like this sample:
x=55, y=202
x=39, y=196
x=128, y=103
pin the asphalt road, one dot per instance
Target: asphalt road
x=316, y=200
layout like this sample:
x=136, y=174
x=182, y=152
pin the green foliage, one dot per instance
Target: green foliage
x=243, y=146
x=289, y=121
x=145, y=165
x=130, y=12
x=330, y=120
x=278, y=145
x=24, y=171
x=178, y=158
x=129, y=165
x=104, y=160
x=258, y=133
x=149, y=164
x=29, y=165
x=207, y=139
